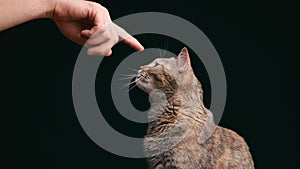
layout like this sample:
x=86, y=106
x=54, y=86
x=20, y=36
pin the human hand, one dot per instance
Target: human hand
x=89, y=22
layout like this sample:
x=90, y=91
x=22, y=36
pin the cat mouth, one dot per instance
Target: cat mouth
x=140, y=80
x=141, y=76
x=142, y=83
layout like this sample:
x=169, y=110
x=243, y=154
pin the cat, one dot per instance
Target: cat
x=182, y=133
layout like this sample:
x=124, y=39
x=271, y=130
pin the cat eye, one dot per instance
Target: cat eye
x=156, y=64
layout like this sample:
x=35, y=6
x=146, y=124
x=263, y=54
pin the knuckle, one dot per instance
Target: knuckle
x=90, y=43
x=101, y=29
x=90, y=52
x=105, y=10
x=115, y=40
x=106, y=36
x=102, y=52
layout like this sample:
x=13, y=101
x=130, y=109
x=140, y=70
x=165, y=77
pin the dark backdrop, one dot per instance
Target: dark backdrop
x=255, y=41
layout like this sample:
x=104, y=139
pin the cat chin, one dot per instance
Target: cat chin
x=144, y=86
x=146, y=90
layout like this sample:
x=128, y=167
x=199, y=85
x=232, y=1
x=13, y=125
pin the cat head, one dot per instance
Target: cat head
x=167, y=74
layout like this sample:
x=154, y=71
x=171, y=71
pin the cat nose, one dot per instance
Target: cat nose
x=142, y=73
x=142, y=68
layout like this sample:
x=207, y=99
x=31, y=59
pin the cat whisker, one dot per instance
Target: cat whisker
x=164, y=53
x=131, y=88
x=128, y=84
x=133, y=69
x=134, y=84
x=159, y=50
x=166, y=47
x=130, y=75
x=134, y=81
x=125, y=78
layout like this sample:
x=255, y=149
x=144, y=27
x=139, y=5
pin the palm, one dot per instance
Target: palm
x=72, y=29
x=77, y=17
x=79, y=20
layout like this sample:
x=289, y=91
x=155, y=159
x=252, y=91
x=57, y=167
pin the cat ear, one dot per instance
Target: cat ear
x=183, y=60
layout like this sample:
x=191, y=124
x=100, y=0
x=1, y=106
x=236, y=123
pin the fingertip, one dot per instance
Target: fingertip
x=86, y=33
x=134, y=43
x=95, y=51
x=137, y=45
x=129, y=40
x=90, y=52
x=140, y=47
x=108, y=53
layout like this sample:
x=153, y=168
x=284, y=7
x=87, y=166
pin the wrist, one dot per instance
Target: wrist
x=50, y=8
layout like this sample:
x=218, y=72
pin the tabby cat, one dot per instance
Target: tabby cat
x=182, y=133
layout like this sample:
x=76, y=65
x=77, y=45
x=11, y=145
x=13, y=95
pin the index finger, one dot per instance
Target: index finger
x=128, y=39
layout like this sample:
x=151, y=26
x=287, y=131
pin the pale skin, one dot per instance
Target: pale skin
x=81, y=21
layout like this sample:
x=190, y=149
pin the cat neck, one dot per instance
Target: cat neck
x=191, y=95
x=183, y=105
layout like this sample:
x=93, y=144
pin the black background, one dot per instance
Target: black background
x=256, y=42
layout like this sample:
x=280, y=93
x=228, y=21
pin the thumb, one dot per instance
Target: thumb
x=108, y=53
